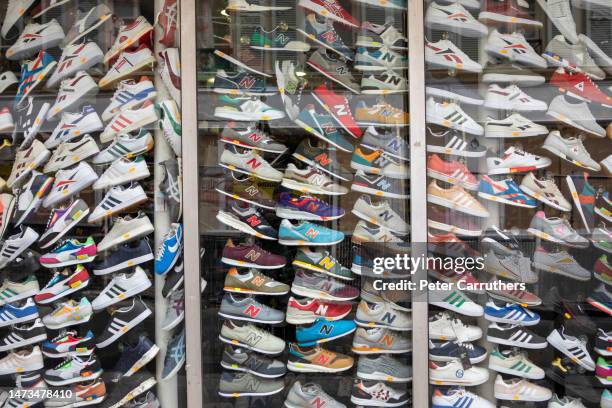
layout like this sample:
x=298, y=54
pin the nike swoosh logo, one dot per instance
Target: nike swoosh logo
x=174, y=248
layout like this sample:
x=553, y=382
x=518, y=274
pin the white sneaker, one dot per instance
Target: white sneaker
x=123, y=171
x=35, y=37
x=69, y=153
x=170, y=123
x=6, y=120
x=515, y=48
x=125, y=145
x=76, y=57
x=516, y=160
x=443, y=327
x=380, y=214
x=577, y=115
x=546, y=191
x=606, y=164
x=14, y=245
x=128, y=63
x=450, y=115
x=453, y=373
x=121, y=287
x=454, y=18
x=7, y=79
x=519, y=389
x=601, y=58
x=454, y=397
x=73, y=125
x=129, y=95
x=27, y=160
x=69, y=182
x=570, y=149
x=126, y=229
x=560, y=13
x=512, y=98
x=382, y=315
x=513, y=126
x=71, y=92
x=573, y=347
x=170, y=72
x=446, y=54
x=247, y=109
x=128, y=35
x=118, y=199
x=18, y=362
x=62, y=220
x=249, y=163
x=129, y=120
x=14, y=13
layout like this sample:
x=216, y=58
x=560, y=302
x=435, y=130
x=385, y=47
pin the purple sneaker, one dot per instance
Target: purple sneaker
x=305, y=207
x=319, y=286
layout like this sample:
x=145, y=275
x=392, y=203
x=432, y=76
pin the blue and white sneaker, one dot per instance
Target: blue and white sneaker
x=169, y=250
x=505, y=192
x=241, y=83
x=307, y=233
x=11, y=314
x=323, y=127
x=305, y=207
x=511, y=314
x=324, y=34
x=323, y=330
x=175, y=355
x=34, y=73
x=129, y=95
x=458, y=398
x=382, y=59
x=73, y=125
x=452, y=350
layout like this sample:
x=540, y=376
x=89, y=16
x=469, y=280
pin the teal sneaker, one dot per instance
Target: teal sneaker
x=323, y=127
x=322, y=262
x=307, y=233
x=322, y=331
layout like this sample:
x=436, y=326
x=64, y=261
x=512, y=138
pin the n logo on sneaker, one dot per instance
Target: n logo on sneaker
x=327, y=263
x=255, y=137
x=325, y=329
x=251, y=190
x=383, y=184
x=252, y=311
x=247, y=82
x=253, y=338
x=323, y=159
x=254, y=163
x=253, y=220
x=252, y=255
x=387, y=340
x=318, y=402
x=322, y=310
x=341, y=110
x=329, y=36
x=312, y=233
x=389, y=318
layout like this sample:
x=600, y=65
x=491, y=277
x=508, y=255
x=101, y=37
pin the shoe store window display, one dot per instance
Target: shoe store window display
x=518, y=153
x=304, y=127
x=88, y=95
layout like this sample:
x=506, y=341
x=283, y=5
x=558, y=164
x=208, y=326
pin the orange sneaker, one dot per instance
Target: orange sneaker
x=380, y=114
x=316, y=360
x=453, y=172
x=455, y=198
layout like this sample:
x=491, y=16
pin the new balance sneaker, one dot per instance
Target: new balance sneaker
x=17, y=362
x=454, y=18
x=87, y=22
x=240, y=359
x=456, y=396
x=380, y=113
x=70, y=252
x=378, y=393
x=130, y=94
x=35, y=37
x=307, y=233
x=125, y=145
x=15, y=244
x=11, y=314
x=322, y=126
x=515, y=48
x=379, y=35
x=601, y=298
x=71, y=93
x=322, y=331
x=322, y=286
x=305, y=311
x=62, y=220
x=389, y=142
x=75, y=58
x=169, y=249
x=338, y=107
x=74, y=369
x=291, y=85
x=379, y=340
x=11, y=292
x=70, y=313
x=69, y=343
x=124, y=256
x=445, y=54
x=249, y=309
x=249, y=162
x=248, y=219
x=332, y=10
x=250, y=256
x=556, y=230
x=382, y=315
x=305, y=395
x=246, y=109
x=278, y=39
x=170, y=72
x=33, y=74
x=455, y=198
x=122, y=321
x=62, y=284
x=27, y=160
x=516, y=160
x=570, y=149
x=69, y=182
x=510, y=313
x=23, y=335
x=454, y=373
x=117, y=200
x=377, y=162
x=130, y=120
x=73, y=125
x=381, y=214
x=515, y=363
x=453, y=172
x=379, y=185
x=128, y=35
x=602, y=270
x=514, y=335
x=253, y=282
x=236, y=385
x=304, y=207
x=121, y=287
x=451, y=116
x=512, y=98
x=250, y=137
x=29, y=197
x=30, y=117
x=380, y=59
x=322, y=158
x=324, y=33
x=516, y=389
x=122, y=171
x=332, y=68
x=504, y=191
x=310, y=180
x=251, y=337
x=545, y=190
x=71, y=152
x=577, y=115
x=560, y=262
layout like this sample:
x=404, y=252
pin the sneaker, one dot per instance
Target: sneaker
x=70, y=313
x=451, y=116
x=126, y=229
x=379, y=185
x=134, y=356
x=579, y=86
x=71, y=93
x=75, y=58
x=322, y=331
x=71, y=152
x=12, y=22
x=516, y=389
x=376, y=162
x=453, y=172
x=456, y=301
x=603, y=206
x=448, y=398
x=322, y=158
x=15, y=244
x=560, y=262
x=453, y=350
x=250, y=256
x=443, y=327
x=504, y=191
x=26, y=161
x=380, y=113
x=251, y=337
x=304, y=207
x=556, y=230
x=583, y=195
x=331, y=10
x=73, y=125
x=515, y=48
x=93, y=392
x=127, y=390
x=17, y=362
x=454, y=18
x=454, y=373
x=510, y=314
x=62, y=284
x=504, y=12
x=35, y=37
x=123, y=319
x=31, y=115
x=310, y=180
x=381, y=59
x=445, y=54
x=322, y=126
x=69, y=343
x=606, y=399
x=382, y=315
x=118, y=199
x=600, y=57
x=170, y=123
x=249, y=309
x=62, y=220
x=73, y=369
x=332, y=68
x=248, y=219
x=374, y=393
x=255, y=7
x=128, y=63
x=87, y=23
x=451, y=221
x=452, y=88
x=516, y=160
x=33, y=73
x=560, y=13
x=11, y=292
x=290, y=85
x=388, y=142
x=249, y=162
x=29, y=197
x=23, y=335
x=253, y=282
x=278, y=39
x=509, y=73
x=514, y=335
x=601, y=299
x=124, y=256
x=514, y=363
x=171, y=187
x=315, y=359
x=394, y=4
x=306, y=311
x=455, y=198
x=602, y=270
x=309, y=394
x=603, y=343
x=383, y=367
x=246, y=109
x=70, y=252
x=571, y=150
x=125, y=146
x=338, y=107
x=321, y=286
x=7, y=80
x=307, y=233
x=557, y=402
x=170, y=72
x=250, y=137
x=128, y=35
x=573, y=378
x=167, y=19
x=381, y=214
x=324, y=33
x=169, y=249
x=240, y=359
x=513, y=98
x=577, y=115
x=129, y=120
x=545, y=190
x=69, y=182
x=380, y=341
x=122, y=171
x=236, y=385
x=381, y=35
x=513, y=266
x=11, y=314
x=130, y=94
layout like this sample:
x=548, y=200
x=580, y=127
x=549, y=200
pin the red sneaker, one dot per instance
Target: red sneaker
x=453, y=172
x=580, y=86
x=338, y=107
x=603, y=269
x=506, y=11
x=330, y=9
x=305, y=311
x=166, y=19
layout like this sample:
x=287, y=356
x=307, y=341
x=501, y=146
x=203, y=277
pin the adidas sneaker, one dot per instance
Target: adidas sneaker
x=123, y=171
x=118, y=199
x=125, y=145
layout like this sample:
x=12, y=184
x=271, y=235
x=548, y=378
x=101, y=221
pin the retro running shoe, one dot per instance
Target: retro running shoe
x=30, y=118
x=11, y=314
x=167, y=19
x=504, y=191
x=27, y=160
x=380, y=114
x=575, y=114
x=62, y=220
x=123, y=320
x=457, y=396
x=545, y=190
x=11, y=292
x=33, y=73
x=377, y=162
x=125, y=256
x=123, y=171
x=128, y=35
x=513, y=126
x=248, y=219
x=380, y=213
x=515, y=48
x=122, y=286
x=249, y=309
x=70, y=252
x=69, y=182
x=291, y=85
x=557, y=230
x=333, y=68
x=601, y=237
x=322, y=331
x=17, y=362
x=601, y=299
x=380, y=59
x=71, y=93
x=455, y=198
x=70, y=313
x=513, y=98
x=246, y=109
x=128, y=63
x=278, y=39
x=253, y=282
x=330, y=9
x=74, y=369
x=170, y=124
x=307, y=233
x=71, y=152
x=579, y=86
x=62, y=284
x=451, y=116
x=338, y=107
x=310, y=180
x=250, y=163
x=169, y=250
x=75, y=58
x=379, y=185
x=234, y=385
x=602, y=270
x=379, y=340
x=304, y=207
x=322, y=262
x=514, y=363
x=315, y=359
x=324, y=34
x=73, y=125
x=35, y=37
x=87, y=22
x=453, y=172
x=321, y=286
x=373, y=393
x=15, y=244
x=560, y=262
x=23, y=335
x=382, y=315
x=385, y=83
x=510, y=313
x=170, y=72
x=253, y=6
x=383, y=368
x=305, y=311
x=130, y=120
x=249, y=336
x=573, y=347
x=516, y=160
x=386, y=141
x=570, y=149
x=322, y=126
x=247, y=255
x=507, y=12
x=379, y=35
x=29, y=197
x=454, y=18
x=583, y=195
x=445, y=54
x=117, y=200
x=130, y=94
x=125, y=145
x=250, y=137
x=240, y=83
x=307, y=394
x=516, y=389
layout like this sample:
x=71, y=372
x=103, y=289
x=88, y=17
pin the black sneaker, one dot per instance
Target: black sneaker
x=514, y=335
x=174, y=280
x=134, y=357
x=31, y=115
x=576, y=320
x=248, y=219
x=603, y=343
x=23, y=266
x=23, y=335
x=575, y=380
x=125, y=256
x=28, y=392
x=453, y=350
x=30, y=196
x=129, y=388
x=443, y=144
x=322, y=158
x=453, y=88
x=241, y=359
x=175, y=355
x=379, y=185
x=123, y=320
x=171, y=186
x=249, y=190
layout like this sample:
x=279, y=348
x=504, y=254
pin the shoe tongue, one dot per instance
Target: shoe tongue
x=311, y=389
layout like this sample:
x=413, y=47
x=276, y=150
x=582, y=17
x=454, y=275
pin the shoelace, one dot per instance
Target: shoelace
x=62, y=335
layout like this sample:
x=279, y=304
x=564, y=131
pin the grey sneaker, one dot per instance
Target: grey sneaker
x=176, y=310
x=388, y=141
x=321, y=286
x=250, y=336
x=251, y=138
x=233, y=385
x=334, y=69
x=249, y=309
x=86, y=23
x=380, y=213
x=149, y=400
x=384, y=368
x=382, y=315
x=309, y=395
x=560, y=53
x=379, y=340
x=560, y=262
x=570, y=149
x=560, y=13
x=577, y=115
x=250, y=163
x=171, y=186
x=240, y=359
x=175, y=355
x=510, y=266
x=385, y=83
x=557, y=230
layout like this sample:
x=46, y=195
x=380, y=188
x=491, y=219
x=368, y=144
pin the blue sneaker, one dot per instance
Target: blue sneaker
x=133, y=358
x=324, y=34
x=242, y=83
x=10, y=314
x=307, y=233
x=175, y=355
x=170, y=249
x=323, y=127
x=452, y=350
x=323, y=330
x=505, y=192
x=305, y=207
x=511, y=314
x=34, y=73
x=69, y=343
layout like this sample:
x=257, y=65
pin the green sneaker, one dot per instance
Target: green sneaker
x=514, y=363
x=253, y=282
x=322, y=262
x=279, y=39
x=170, y=124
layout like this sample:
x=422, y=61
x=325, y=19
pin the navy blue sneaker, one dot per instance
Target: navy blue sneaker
x=452, y=350
x=133, y=358
x=175, y=355
x=125, y=256
x=323, y=330
x=306, y=208
x=242, y=83
x=324, y=34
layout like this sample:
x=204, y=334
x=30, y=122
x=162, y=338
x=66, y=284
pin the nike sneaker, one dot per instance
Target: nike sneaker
x=504, y=191
x=71, y=152
x=246, y=109
x=512, y=98
x=322, y=126
x=128, y=35
x=128, y=63
x=454, y=18
x=310, y=180
x=13, y=19
x=570, y=149
x=513, y=126
x=122, y=171
x=249, y=163
x=122, y=286
x=445, y=54
x=580, y=86
x=380, y=113
x=69, y=182
x=330, y=9
x=130, y=120
x=379, y=35
x=248, y=219
x=75, y=58
x=70, y=252
x=130, y=94
x=333, y=68
x=126, y=229
x=451, y=116
x=30, y=196
x=170, y=71
x=169, y=250
x=516, y=160
x=167, y=19
x=170, y=124
x=379, y=59
x=250, y=137
x=278, y=39
x=324, y=33
x=546, y=191
x=338, y=107
x=62, y=284
x=290, y=85
x=33, y=74
x=307, y=233
x=73, y=125
x=507, y=12
x=87, y=22
x=72, y=92
x=35, y=37
x=117, y=200
x=575, y=114
x=125, y=145
x=452, y=172
x=515, y=48
x=62, y=220
x=27, y=160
